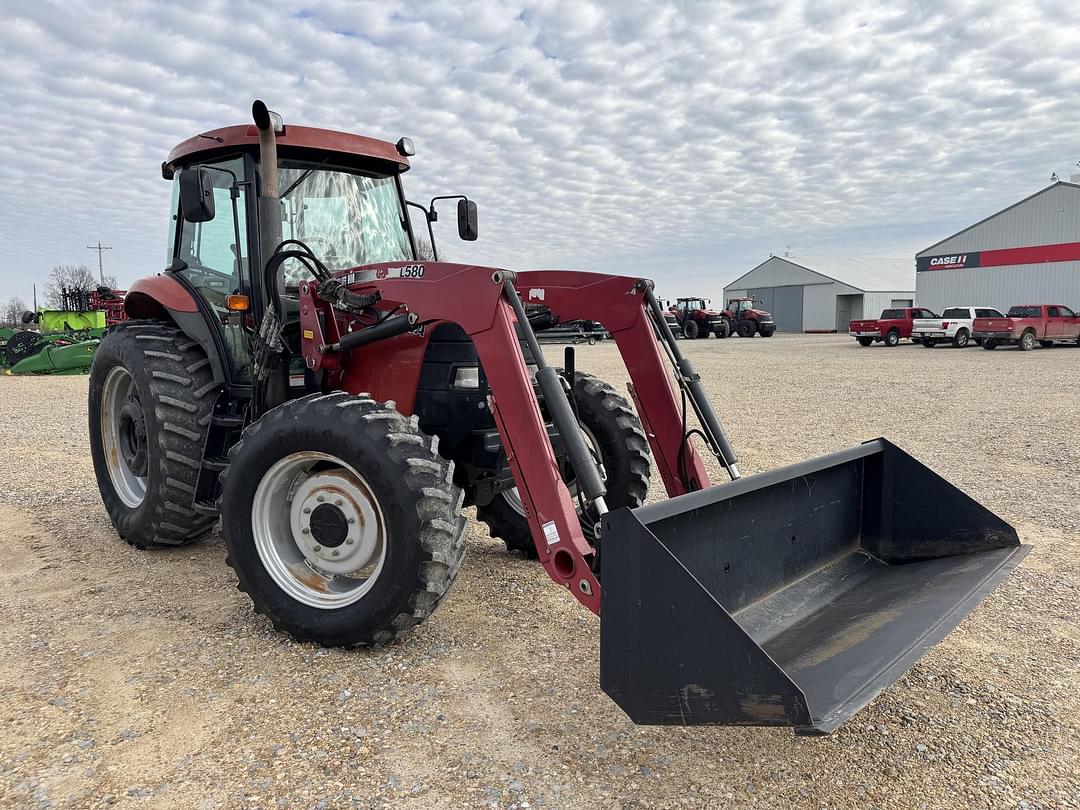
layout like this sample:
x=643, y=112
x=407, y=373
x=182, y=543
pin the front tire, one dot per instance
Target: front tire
x=747, y=329
x=341, y=520
x=616, y=434
x=691, y=329
x=928, y=343
x=723, y=329
x=152, y=393
x=1046, y=344
x=865, y=341
x=989, y=344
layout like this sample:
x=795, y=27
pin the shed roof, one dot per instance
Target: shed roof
x=866, y=274
x=1058, y=183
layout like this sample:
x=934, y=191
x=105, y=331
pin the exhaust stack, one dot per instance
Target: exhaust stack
x=268, y=123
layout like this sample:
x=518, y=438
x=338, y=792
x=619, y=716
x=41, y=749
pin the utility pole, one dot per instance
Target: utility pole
x=100, y=248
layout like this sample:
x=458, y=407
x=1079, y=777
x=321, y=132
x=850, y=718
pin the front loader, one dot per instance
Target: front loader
x=298, y=372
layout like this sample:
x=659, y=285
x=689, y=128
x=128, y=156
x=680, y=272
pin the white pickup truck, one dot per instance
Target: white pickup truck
x=954, y=325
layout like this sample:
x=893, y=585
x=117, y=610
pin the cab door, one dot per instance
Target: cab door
x=1070, y=325
x=214, y=267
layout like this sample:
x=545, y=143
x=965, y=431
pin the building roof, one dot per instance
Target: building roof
x=866, y=274
x=927, y=250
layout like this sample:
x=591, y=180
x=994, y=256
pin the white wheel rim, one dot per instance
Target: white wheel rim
x=321, y=568
x=117, y=436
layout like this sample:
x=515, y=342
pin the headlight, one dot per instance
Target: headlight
x=468, y=377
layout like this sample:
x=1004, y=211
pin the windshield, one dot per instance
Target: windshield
x=1024, y=312
x=347, y=219
x=693, y=303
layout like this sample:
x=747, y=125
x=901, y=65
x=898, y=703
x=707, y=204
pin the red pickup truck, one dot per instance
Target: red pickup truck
x=1025, y=325
x=890, y=327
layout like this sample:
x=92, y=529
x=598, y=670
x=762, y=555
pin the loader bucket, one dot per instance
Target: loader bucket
x=793, y=597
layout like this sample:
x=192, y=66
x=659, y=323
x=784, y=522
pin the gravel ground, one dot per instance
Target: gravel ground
x=137, y=679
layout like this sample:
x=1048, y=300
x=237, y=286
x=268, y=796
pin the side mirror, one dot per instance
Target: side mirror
x=196, y=194
x=466, y=220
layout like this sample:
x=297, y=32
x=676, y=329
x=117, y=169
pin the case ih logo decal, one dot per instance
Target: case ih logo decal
x=954, y=262
x=1035, y=254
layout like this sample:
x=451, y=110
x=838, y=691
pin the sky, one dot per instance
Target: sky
x=685, y=142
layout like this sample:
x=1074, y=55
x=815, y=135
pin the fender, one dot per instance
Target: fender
x=164, y=297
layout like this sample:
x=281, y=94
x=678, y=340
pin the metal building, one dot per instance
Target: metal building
x=822, y=294
x=1029, y=253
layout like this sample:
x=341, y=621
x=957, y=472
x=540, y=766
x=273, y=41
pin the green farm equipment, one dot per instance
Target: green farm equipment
x=58, y=358
x=65, y=339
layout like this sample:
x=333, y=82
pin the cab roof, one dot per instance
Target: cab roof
x=294, y=140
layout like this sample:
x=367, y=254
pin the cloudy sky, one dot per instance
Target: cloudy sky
x=686, y=141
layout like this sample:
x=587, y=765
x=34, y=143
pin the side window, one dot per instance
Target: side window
x=1053, y=312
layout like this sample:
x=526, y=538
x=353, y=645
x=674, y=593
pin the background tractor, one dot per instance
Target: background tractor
x=298, y=372
x=746, y=320
x=695, y=320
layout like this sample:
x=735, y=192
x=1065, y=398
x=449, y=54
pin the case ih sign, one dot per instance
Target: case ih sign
x=1036, y=254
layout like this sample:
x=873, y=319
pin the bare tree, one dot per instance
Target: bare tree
x=11, y=313
x=74, y=277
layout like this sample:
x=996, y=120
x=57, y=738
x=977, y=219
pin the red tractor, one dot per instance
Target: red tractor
x=694, y=319
x=299, y=373
x=746, y=320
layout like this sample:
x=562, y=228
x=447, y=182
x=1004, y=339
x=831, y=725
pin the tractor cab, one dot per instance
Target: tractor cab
x=337, y=193
x=740, y=305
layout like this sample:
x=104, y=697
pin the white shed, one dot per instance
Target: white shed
x=820, y=294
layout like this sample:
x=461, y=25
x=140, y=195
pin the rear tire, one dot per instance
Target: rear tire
x=690, y=329
x=152, y=393
x=1027, y=341
x=864, y=341
x=961, y=338
x=892, y=337
x=623, y=448
x=391, y=523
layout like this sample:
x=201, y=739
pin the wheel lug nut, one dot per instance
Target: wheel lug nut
x=307, y=510
x=337, y=553
x=320, y=499
x=352, y=520
x=349, y=542
x=305, y=531
x=318, y=548
x=338, y=502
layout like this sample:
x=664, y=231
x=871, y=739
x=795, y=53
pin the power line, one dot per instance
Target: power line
x=100, y=248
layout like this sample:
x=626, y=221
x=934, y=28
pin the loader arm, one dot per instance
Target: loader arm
x=477, y=299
